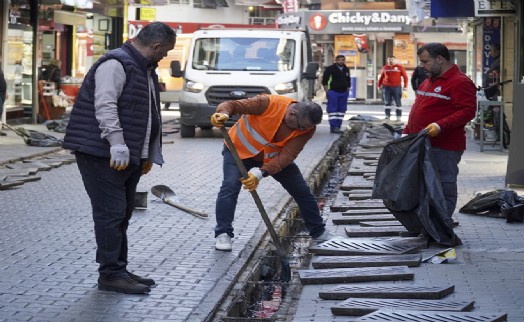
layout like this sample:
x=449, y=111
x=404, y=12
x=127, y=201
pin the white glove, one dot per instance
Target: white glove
x=119, y=156
x=403, y=135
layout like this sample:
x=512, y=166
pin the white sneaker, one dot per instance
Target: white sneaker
x=327, y=235
x=223, y=243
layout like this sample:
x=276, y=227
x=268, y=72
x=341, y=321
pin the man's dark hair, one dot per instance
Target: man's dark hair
x=435, y=49
x=340, y=56
x=156, y=32
x=496, y=46
x=309, y=110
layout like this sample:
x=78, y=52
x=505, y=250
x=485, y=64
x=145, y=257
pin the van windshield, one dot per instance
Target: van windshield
x=251, y=54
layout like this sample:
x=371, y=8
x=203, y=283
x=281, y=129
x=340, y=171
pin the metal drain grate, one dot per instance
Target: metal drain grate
x=365, y=247
x=420, y=316
x=348, y=220
x=350, y=275
x=343, y=292
x=322, y=262
x=358, y=231
x=364, y=306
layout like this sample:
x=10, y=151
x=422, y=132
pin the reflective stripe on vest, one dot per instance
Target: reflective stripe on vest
x=252, y=134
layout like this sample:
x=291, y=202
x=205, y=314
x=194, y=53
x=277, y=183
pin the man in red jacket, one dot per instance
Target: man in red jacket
x=391, y=82
x=445, y=103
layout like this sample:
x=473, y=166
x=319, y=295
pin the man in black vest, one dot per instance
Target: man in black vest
x=115, y=132
x=337, y=82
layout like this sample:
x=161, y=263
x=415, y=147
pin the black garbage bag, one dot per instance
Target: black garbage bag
x=35, y=138
x=408, y=183
x=499, y=203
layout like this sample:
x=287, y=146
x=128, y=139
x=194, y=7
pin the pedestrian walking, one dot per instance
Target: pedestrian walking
x=268, y=137
x=419, y=75
x=445, y=104
x=337, y=82
x=392, y=78
x=115, y=132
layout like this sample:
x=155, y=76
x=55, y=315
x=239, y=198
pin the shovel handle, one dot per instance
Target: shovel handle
x=254, y=193
x=193, y=212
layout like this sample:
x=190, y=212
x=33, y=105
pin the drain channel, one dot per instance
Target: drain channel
x=260, y=296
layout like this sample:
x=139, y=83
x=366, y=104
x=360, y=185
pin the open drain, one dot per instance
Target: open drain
x=260, y=296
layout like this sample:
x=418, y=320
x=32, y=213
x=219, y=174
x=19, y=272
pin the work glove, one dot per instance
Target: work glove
x=218, y=119
x=119, y=156
x=146, y=167
x=254, y=177
x=433, y=129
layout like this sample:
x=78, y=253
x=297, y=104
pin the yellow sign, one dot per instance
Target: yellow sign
x=404, y=51
x=147, y=14
x=345, y=45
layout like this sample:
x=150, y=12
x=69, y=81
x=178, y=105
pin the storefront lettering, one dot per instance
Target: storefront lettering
x=366, y=19
x=288, y=20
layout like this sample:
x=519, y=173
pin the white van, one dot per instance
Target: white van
x=231, y=64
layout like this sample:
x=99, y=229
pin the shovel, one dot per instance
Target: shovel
x=285, y=274
x=168, y=196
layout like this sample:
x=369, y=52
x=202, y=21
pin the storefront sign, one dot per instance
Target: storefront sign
x=491, y=35
x=485, y=8
x=349, y=21
x=289, y=5
x=146, y=13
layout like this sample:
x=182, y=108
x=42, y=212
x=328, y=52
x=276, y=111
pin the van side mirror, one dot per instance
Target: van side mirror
x=311, y=71
x=176, y=70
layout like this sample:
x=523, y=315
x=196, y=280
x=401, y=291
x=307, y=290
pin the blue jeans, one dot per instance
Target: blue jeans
x=337, y=105
x=112, y=195
x=447, y=164
x=290, y=178
x=392, y=93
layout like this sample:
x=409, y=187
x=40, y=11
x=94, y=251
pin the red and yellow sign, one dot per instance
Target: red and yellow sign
x=404, y=51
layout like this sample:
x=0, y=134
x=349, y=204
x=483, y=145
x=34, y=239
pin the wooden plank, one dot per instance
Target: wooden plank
x=357, y=231
x=426, y=316
x=323, y=262
x=351, y=275
x=362, y=306
x=391, y=291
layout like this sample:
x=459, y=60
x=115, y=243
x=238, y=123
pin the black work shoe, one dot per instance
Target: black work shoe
x=142, y=280
x=336, y=130
x=125, y=285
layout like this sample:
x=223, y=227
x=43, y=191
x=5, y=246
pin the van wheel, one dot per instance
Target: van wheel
x=187, y=131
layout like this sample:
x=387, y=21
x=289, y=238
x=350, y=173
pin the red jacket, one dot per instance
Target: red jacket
x=392, y=76
x=450, y=101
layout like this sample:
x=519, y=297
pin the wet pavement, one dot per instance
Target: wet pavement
x=48, y=272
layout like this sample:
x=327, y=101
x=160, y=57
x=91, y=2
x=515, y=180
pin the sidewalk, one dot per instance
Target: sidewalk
x=488, y=267
x=47, y=254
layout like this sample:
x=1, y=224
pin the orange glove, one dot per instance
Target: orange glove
x=433, y=129
x=254, y=177
x=218, y=119
x=146, y=167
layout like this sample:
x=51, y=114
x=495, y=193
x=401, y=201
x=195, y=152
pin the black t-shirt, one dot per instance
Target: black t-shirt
x=3, y=86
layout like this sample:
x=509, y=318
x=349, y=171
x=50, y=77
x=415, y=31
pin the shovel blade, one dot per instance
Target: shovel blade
x=162, y=191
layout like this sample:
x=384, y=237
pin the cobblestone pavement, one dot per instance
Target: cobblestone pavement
x=488, y=268
x=48, y=272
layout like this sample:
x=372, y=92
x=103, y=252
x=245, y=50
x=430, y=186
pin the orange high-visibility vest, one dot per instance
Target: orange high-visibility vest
x=254, y=133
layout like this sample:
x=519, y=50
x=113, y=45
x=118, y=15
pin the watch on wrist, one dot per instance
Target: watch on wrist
x=265, y=173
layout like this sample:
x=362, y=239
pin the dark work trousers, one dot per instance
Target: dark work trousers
x=337, y=105
x=447, y=164
x=112, y=195
x=290, y=178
